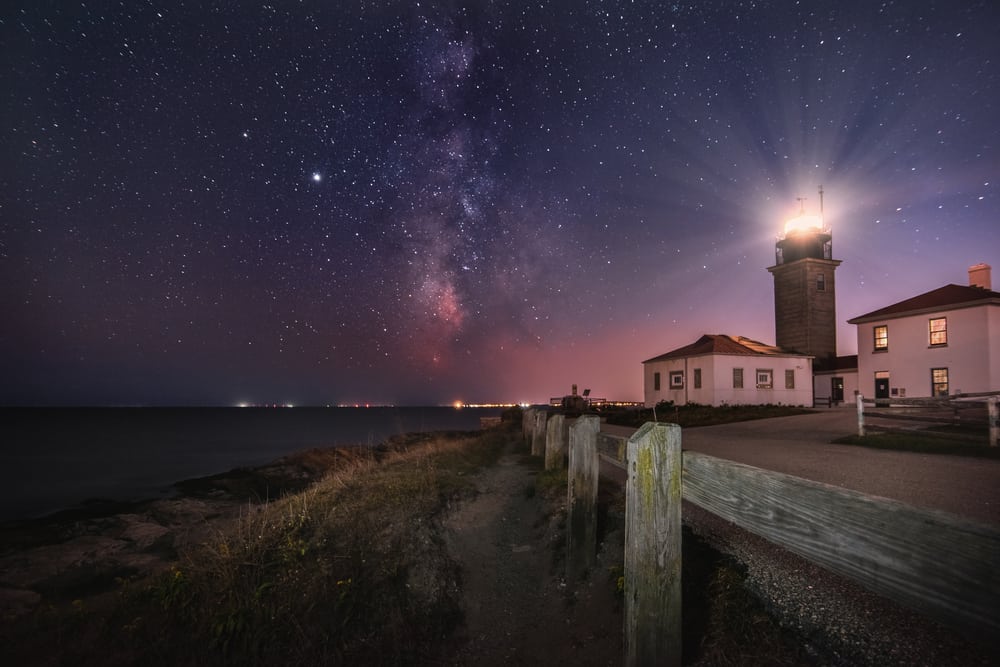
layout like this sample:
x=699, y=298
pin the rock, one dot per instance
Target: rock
x=145, y=534
x=15, y=602
x=37, y=568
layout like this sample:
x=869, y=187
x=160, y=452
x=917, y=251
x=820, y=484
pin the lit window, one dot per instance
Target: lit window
x=737, y=378
x=765, y=378
x=939, y=381
x=676, y=379
x=697, y=378
x=939, y=331
x=881, y=338
x=789, y=379
x=656, y=382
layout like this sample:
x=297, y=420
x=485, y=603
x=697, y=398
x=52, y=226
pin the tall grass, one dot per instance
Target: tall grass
x=352, y=570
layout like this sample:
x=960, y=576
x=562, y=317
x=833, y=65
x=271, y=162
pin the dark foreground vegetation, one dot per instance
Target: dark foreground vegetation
x=353, y=569
x=340, y=557
x=348, y=571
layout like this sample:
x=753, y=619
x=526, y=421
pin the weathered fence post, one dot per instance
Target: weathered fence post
x=538, y=433
x=653, y=546
x=861, y=416
x=557, y=434
x=993, y=406
x=581, y=496
x=528, y=424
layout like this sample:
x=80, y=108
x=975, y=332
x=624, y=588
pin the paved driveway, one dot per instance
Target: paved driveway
x=800, y=445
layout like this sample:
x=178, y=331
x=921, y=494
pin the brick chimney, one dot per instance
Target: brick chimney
x=979, y=276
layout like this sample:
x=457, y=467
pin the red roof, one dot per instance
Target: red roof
x=948, y=296
x=724, y=344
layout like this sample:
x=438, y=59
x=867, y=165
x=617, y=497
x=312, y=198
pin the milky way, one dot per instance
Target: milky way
x=421, y=202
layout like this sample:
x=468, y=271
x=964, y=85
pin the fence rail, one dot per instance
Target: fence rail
x=612, y=448
x=960, y=410
x=939, y=564
x=934, y=562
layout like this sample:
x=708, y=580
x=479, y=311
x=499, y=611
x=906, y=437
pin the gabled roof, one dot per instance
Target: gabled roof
x=949, y=296
x=724, y=344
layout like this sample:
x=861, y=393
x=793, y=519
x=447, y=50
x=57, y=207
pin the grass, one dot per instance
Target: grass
x=925, y=441
x=727, y=625
x=552, y=482
x=692, y=414
x=351, y=570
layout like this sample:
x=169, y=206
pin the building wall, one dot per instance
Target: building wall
x=652, y=395
x=822, y=385
x=971, y=354
x=805, y=318
x=993, y=348
x=717, y=380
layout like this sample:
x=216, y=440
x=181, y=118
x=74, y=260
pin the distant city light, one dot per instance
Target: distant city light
x=244, y=404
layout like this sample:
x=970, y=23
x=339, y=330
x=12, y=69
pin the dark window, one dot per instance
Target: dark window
x=656, y=382
x=821, y=283
x=697, y=378
x=881, y=384
x=737, y=378
x=789, y=379
x=676, y=379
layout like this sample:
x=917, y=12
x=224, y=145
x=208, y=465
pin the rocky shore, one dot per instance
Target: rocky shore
x=83, y=554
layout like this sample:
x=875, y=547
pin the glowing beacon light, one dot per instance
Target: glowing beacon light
x=804, y=223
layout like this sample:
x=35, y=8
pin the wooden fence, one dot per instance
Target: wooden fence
x=979, y=411
x=939, y=564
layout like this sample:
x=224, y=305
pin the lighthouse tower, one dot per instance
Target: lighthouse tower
x=805, y=313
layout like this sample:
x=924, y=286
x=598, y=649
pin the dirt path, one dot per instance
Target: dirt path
x=518, y=609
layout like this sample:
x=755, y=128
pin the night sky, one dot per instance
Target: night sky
x=207, y=203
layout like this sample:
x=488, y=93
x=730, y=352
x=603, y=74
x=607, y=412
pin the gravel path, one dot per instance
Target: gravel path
x=839, y=622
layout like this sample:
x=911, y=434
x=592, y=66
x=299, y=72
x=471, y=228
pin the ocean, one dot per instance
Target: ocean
x=58, y=458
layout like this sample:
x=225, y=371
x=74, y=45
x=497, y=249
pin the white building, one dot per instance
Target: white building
x=728, y=370
x=942, y=342
x=836, y=382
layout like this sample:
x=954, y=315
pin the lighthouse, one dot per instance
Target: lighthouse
x=805, y=313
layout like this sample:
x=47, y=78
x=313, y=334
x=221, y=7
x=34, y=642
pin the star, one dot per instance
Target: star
x=570, y=218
